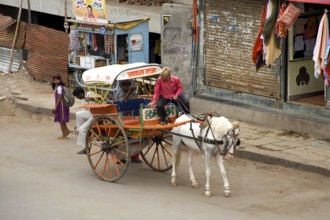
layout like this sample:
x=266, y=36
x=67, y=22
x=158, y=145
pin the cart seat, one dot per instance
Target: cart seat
x=130, y=120
x=133, y=106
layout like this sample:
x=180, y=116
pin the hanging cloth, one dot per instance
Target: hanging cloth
x=327, y=66
x=273, y=52
x=269, y=25
x=95, y=48
x=74, y=43
x=87, y=37
x=321, y=46
x=272, y=46
x=106, y=44
x=257, y=48
x=280, y=29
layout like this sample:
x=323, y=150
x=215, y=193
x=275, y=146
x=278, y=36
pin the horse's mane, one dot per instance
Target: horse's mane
x=220, y=126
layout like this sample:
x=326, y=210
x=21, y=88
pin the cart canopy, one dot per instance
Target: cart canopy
x=108, y=74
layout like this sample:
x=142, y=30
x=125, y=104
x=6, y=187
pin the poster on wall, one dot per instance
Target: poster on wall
x=165, y=19
x=90, y=10
x=136, y=42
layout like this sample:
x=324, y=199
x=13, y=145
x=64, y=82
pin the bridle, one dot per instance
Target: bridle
x=231, y=134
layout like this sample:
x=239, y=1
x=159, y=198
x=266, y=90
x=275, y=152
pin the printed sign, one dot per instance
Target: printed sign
x=90, y=10
x=136, y=42
x=166, y=19
x=141, y=72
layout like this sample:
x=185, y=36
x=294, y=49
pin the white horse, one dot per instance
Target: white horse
x=207, y=138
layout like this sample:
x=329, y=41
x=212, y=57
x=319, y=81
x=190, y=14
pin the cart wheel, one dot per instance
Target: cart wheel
x=107, y=148
x=157, y=154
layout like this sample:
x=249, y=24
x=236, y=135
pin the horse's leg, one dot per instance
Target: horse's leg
x=223, y=174
x=191, y=172
x=208, y=156
x=175, y=158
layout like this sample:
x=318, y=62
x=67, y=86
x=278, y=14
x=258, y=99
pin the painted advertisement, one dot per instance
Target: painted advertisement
x=90, y=10
x=136, y=42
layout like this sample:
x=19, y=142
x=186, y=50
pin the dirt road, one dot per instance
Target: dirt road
x=44, y=178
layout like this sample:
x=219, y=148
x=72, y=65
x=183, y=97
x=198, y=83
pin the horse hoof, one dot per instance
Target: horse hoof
x=208, y=193
x=173, y=183
x=229, y=156
x=195, y=185
x=227, y=193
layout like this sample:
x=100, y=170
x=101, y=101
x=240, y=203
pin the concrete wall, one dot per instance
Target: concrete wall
x=49, y=7
x=118, y=10
x=56, y=7
x=183, y=2
x=176, y=37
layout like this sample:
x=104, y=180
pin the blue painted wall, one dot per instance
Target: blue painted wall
x=140, y=55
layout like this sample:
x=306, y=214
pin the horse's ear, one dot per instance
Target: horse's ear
x=206, y=122
x=203, y=125
x=235, y=124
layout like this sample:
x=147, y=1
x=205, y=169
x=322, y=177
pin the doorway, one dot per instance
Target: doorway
x=303, y=86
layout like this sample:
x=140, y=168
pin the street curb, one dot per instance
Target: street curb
x=243, y=154
x=39, y=110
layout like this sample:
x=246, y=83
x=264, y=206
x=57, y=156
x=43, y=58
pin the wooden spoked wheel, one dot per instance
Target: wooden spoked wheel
x=157, y=154
x=107, y=148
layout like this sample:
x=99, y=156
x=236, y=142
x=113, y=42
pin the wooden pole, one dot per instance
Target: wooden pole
x=29, y=11
x=15, y=37
x=65, y=10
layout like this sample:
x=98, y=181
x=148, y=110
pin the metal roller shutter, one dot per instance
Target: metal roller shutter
x=231, y=28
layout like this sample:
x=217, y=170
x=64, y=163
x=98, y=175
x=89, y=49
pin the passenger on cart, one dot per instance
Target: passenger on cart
x=168, y=88
x=126, y=92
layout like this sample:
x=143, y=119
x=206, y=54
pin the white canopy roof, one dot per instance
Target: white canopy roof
x=108, y=74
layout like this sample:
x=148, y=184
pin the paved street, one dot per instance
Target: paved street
x=43, y=178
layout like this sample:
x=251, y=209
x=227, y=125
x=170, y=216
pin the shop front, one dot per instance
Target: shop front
x=282, y=66
x=304, y=84
x=96, y=40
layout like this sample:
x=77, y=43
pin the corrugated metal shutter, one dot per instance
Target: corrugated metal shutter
x=7, y=36
x=5, y=58
x=231, y=29
x=47, y=52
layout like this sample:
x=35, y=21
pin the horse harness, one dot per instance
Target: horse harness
x=213, y=141
x=200, y=139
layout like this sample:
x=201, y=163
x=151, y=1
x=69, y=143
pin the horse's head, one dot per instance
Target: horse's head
x=226, y=131
x=231, y=140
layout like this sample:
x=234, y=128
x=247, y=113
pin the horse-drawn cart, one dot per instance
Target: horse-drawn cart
x=114, y=136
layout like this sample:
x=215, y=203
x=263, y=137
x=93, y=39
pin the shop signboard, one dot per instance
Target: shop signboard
x=90, y=10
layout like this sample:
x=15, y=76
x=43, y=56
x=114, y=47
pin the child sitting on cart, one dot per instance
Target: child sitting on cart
x=125, y=91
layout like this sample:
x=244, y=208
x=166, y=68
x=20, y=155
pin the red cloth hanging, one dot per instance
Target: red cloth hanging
x=94, y=43
x=280, y=29
x=258, y=44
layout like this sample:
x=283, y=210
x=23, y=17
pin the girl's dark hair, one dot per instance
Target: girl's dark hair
x=59, y=78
